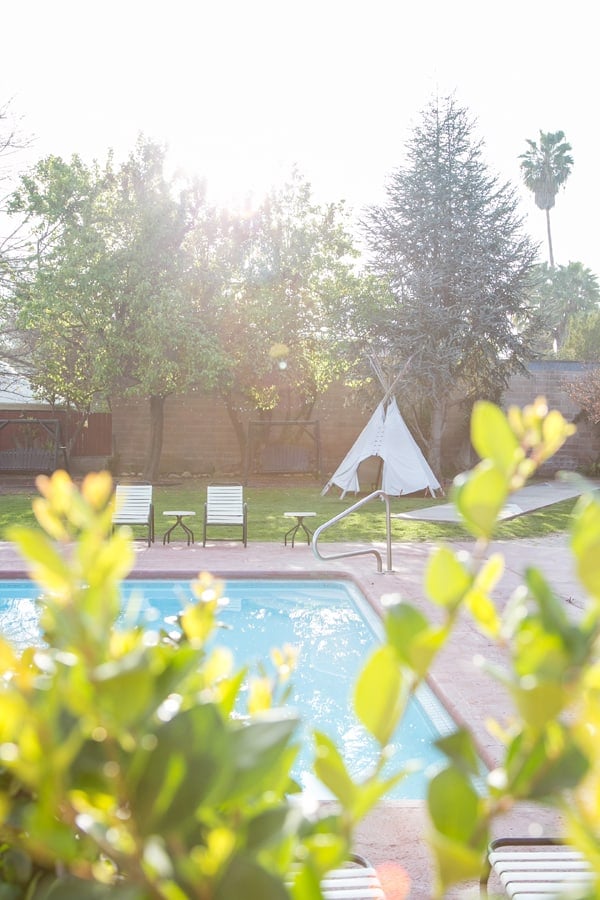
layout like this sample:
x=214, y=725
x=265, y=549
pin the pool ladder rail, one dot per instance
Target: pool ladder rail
x=367, y=550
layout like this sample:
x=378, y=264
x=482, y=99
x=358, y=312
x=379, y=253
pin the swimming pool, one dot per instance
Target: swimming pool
x=332, y=626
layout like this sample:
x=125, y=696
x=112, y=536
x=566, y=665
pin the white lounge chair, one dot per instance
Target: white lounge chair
x=134, y=506
x=225, y=505
x=356, y=881
x=532, y=868
x=352, y=884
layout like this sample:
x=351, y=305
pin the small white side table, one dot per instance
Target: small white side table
x=179, y=514
x=300, y=517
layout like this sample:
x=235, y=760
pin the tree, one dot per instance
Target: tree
x=586, y=392
x=561, y=294
x=450, y=247
x=276, y=275
x=545, y=169
x=11, y=247
x=583, y=338
x=107, y=300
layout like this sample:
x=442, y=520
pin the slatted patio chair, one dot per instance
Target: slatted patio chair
x=532, y=868
x=225, y=506
x=134, y=506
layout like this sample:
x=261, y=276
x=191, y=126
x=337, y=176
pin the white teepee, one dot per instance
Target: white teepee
x=405, y=469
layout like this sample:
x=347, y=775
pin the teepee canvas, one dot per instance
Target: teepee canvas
x=405, y=469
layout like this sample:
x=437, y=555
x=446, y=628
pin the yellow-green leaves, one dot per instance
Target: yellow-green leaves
x=381, y=693
x=493, y=438
x=478, y=598
x=451, y=579
x=356, y=797
x=457, y=839
x=548, y=651
x=331, y=769
x=479, y=497
x=447, y=578
x=540, y=432
x=120, y=745
x=511, y=447
x=413, y=638
x=585, y=544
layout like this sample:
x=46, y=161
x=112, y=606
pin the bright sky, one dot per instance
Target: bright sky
x=241, y=90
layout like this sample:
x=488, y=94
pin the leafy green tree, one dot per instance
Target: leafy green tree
x=586, y=392
x=276, y=275
x=450, y=248
x=545, y=169
x=12, y=356
x=561, y=295
x=583, y=337
x=109, y=303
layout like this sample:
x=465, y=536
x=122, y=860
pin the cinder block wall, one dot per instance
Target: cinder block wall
x=199, y=437
x=548, y=379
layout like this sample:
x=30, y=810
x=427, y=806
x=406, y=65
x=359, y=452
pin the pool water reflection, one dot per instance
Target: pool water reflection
x=333, y=629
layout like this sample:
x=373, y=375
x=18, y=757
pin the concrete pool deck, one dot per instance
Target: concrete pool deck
x=394, y=833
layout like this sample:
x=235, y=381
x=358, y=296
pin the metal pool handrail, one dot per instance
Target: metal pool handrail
x=372, y=550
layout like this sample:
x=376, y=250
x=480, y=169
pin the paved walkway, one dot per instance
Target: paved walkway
x=395, y=831
x=528, y=499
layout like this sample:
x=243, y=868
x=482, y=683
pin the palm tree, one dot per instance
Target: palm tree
x=545, y=169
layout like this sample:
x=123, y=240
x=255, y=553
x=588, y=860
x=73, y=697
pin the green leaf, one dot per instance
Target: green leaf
x=576, y=639
x=539, y=700
x=188, y=760
x=326, y=849
x=260, y=751
x=128, y=677
x=446, y=578
x=414, y=640
x=455, y=808
x=455, y=862
x=460, y=748
x=483, y=610
x=561, y=773
x=331, y=770
x=268, y=826
x=381, y=694
x=245, y=878
x=490, y=573
x=585, y=543
x=542, y=769
x=493, y=438
x=50, y=568
x=479, y=498
x=373, y=790
x=305, y=884
x=453, y=804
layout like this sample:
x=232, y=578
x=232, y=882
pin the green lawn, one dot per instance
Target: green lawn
x=266, y=506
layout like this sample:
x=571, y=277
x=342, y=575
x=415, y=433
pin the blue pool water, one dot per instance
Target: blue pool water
x=334, y=630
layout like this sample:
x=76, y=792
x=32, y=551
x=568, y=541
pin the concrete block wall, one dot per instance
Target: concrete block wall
x=548, y=378
x=199, y=437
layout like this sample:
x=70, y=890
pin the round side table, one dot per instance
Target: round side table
x=299, y=526
x=179, y=514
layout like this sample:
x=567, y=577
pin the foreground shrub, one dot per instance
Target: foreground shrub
x=123, y=771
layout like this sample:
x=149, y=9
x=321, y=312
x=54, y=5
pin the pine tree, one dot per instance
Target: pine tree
x=450, y=244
